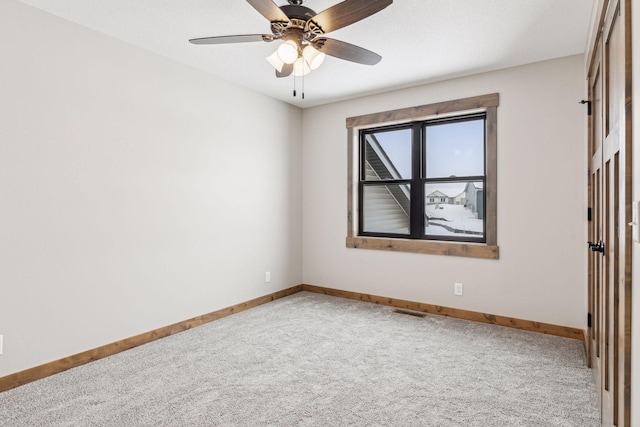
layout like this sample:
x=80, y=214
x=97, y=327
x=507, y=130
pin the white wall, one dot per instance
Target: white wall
x=135, y=192
x=541, y=157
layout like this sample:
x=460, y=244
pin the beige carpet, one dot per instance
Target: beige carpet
x=313, y=360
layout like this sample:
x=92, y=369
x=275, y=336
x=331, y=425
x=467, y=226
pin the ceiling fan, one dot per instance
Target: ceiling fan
x=302, y=31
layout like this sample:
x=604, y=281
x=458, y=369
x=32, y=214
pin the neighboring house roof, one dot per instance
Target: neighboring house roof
x=450, y=189
x=476, y=185
x=379, y=160
x=437, y=193
x=383, y=167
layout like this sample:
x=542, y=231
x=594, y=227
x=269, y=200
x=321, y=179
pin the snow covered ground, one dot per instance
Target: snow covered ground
x=453, y=216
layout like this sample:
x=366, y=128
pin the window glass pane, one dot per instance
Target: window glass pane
x=386, y=208
x=454, y=209
x=455, y=149
x=388, y=155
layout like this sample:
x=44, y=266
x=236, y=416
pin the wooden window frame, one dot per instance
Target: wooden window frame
x=484, y=103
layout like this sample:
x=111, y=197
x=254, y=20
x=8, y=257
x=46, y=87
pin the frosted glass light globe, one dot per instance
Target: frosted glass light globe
x=301, y=68
x=313, y=56
x=288, y=52
x=275, y=61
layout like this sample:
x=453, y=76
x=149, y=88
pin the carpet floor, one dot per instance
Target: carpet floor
x=314, y=360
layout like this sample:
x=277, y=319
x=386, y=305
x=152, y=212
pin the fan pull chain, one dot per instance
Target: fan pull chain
x=294, y=85
x=303, y=85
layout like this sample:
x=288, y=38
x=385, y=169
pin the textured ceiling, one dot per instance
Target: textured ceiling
x=420, y=41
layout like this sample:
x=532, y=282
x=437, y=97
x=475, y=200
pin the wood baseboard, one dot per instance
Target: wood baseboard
x=526, y=325
x=33, y=374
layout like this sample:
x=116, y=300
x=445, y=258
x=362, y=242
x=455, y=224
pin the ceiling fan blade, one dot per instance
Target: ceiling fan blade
x=244, y=38
x=287, y=69
x=346, y=51
x=269, y=10
x=348, y=12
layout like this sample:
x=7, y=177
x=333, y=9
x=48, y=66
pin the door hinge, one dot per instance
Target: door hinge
x=588, y=320
x=588, y=214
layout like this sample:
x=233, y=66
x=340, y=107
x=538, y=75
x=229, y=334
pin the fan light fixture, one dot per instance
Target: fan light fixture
x=289, y=53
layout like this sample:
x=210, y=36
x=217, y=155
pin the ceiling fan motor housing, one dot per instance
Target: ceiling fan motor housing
x=298, y=12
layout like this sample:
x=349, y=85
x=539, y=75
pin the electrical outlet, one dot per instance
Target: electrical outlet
x=457, y=289
x=267, y=277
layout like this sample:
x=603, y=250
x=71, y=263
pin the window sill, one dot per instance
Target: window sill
x=472, y=250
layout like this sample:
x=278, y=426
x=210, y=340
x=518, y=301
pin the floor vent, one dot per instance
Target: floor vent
x=410, y=313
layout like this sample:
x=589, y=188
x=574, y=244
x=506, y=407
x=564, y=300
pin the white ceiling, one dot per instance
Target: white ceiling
x=420, y=41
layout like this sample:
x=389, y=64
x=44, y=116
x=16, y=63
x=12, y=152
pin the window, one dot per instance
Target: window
x=423, y=179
